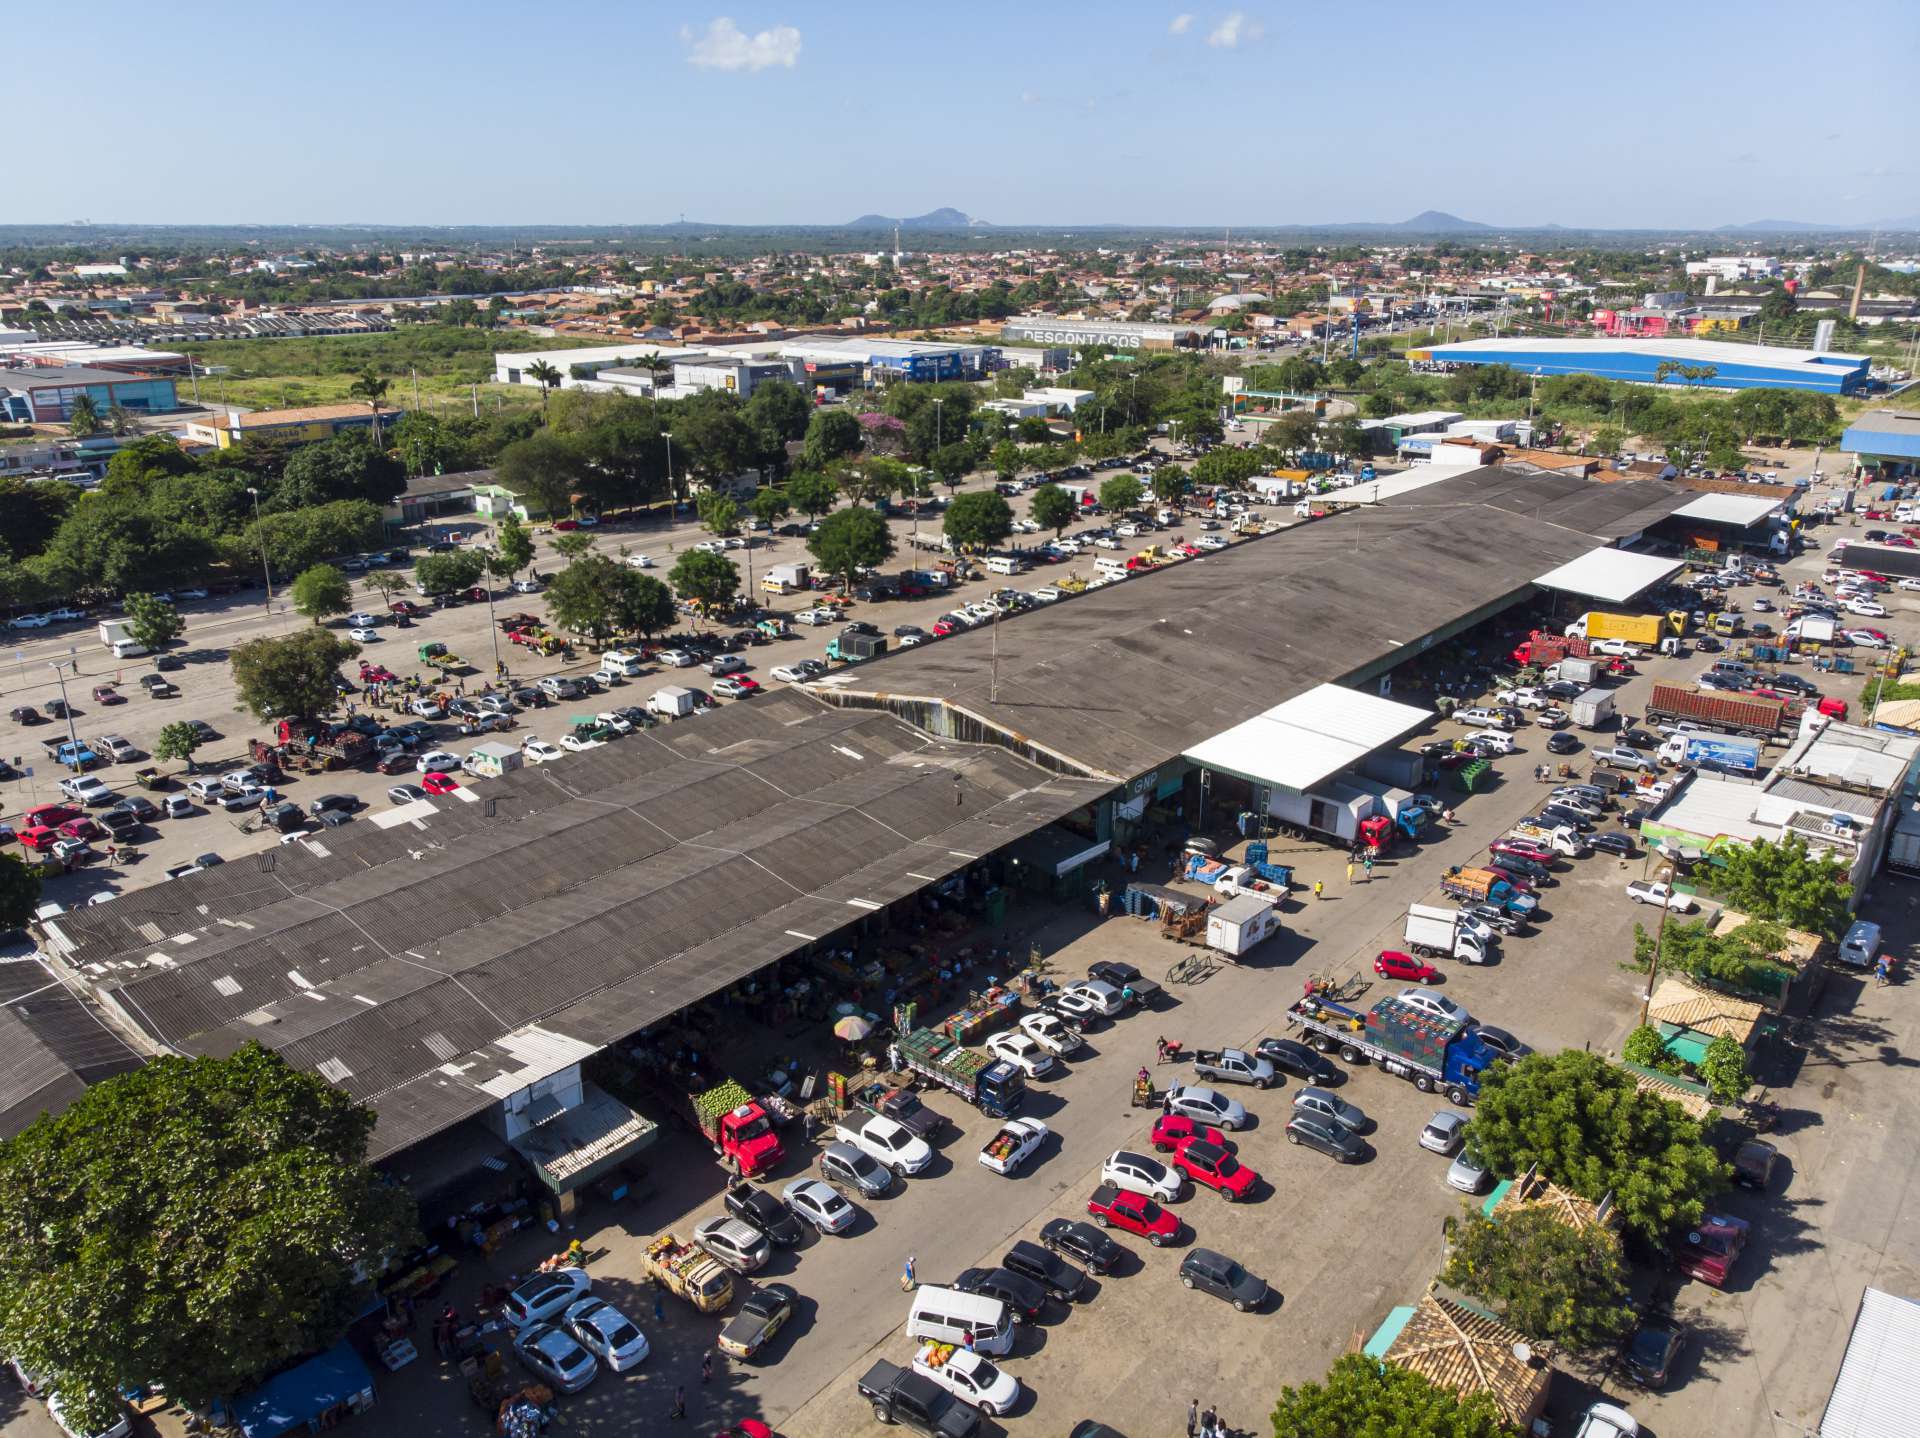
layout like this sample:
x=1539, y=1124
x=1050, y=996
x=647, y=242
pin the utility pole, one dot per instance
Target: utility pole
x=1659, y=938
x=59, y=668
x=265, y=568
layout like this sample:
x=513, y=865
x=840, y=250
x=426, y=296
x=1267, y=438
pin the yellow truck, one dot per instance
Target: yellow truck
x=1643, y=629
x=691, y=1272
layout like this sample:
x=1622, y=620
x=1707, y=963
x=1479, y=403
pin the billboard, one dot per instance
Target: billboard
x=1724, y=753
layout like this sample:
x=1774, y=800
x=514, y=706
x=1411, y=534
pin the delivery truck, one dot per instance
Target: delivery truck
x=1594, y=708
x=1576, y=671
x=1742, y=714
x=1435, y=1055
x=688, y=1272
x=1433, y=932
x=1339, y=815
x=736, y=1127
x=1719, y=753
x=786, y=579
x=994, y=1086
x=114, y=635
x=1483, y=886
x=1643, y=629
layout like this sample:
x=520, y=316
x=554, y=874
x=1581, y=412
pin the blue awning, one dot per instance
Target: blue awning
x=298, y=1396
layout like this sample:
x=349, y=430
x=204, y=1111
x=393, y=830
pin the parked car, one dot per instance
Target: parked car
x=1173, y=1129
x=545, y=1296
x=1206, y=1105
x=1024, y=1297
x=1212, y=1166
x=1466, y=1174
x=607, y=1333
x=1443, y=1132
x=765, y=1212
x=1136, y=1173
x=1041, y=1265
x=1082, y=1242
x=1215, y=1273
x=1392, y=964
x=1652, y=1350
x=1647, y=891
x=1326, y=1135
x=763, y=1313
x=1331, y=1107
x=1135, y=1212
x=1050, y=1033
x=556, y=1356
x=1300, y=1060
x=1023, y=1051
x=816, y=1203
x=847, y=1164
x=1437, y=1005
x=733, y=1241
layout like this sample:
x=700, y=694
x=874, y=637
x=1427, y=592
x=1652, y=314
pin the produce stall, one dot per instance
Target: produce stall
x=983, y=1013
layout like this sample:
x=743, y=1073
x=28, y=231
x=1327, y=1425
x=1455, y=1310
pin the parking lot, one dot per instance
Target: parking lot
x=1339, y=1246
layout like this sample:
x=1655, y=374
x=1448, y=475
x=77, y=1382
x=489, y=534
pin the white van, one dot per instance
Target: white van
x=623, y=662
x=946, y=1315
x=128, y=649
x=1111, y=568
x=1004, y=564
x=1861, y=945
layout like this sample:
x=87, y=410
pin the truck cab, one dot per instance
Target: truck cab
x=745, y=1134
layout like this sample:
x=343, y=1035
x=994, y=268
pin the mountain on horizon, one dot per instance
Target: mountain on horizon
x=945, y=218
x=1779, y=227
x=1438, y=222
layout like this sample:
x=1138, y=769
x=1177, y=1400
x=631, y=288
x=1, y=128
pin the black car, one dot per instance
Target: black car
x=1059, y=1278
x=1640, y=739
x=1292, y=1056
x=1612, y=843
x=1023, y=1297
x=119, y=822
x=1221, y=1276
x=333, y=803
x=1125, y=977
x=145, y=810
x=1554, y=815
x=169, y=662
x=1792, y=684
x=1652, y=1350
x=1324, y=1134
x=26, y=714
x=1563, y=689
x=202, y=730
x=284, y=816
x=1500, y=1041
x=1495, y=917
x=59, y=709
x=1534, y=873
x=1707, y=644
x=1562, y=744
x=1079, y=1023
x=765, y=1212
x=1081, y=1241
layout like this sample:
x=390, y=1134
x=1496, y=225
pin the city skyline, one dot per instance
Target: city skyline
x=1249, y=115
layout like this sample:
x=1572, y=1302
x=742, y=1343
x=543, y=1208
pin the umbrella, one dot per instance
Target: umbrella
x=853, y=1028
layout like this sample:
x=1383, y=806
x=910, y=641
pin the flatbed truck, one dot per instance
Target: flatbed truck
x=1433, y=1054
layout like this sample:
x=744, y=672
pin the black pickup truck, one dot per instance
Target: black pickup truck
x=899, y=1396
x=1129, y=980
x=903, y=1106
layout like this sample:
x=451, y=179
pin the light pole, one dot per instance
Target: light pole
x=672, y=498
x=939, y=435
x=1659, y=938
x=265, y=568
x=58, y=666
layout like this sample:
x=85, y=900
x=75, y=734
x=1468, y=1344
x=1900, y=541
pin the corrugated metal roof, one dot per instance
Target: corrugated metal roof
x=1310, y=737
x=1877, y=1391
x=1739, y=509
x=1611, y=575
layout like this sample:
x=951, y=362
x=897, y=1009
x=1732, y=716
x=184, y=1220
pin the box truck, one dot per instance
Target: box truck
x=1592, y=709
x=1721, y=753
x=1434, y=932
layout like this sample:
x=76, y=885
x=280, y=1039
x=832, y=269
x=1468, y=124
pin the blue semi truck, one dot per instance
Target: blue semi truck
x=1434, y=1054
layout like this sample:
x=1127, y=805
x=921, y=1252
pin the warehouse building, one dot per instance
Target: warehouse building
x=46, y=394
x=1115, y=334
x=1722, y=365
x=309, y=424
x=1884, y=441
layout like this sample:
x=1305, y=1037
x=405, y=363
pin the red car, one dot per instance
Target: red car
x=82, y=828
x=1522, y=849
x=1173, y=1129
x=1711, y=1248
x=1392, y=964
x=943, y=627
x=398, y=762
x=40, y=839
x=438, y=783
x=49, y=816
x=1212, y=1165
x=566, y=524
x=1191, y=551
x=1135, y=1212
x=376, y=673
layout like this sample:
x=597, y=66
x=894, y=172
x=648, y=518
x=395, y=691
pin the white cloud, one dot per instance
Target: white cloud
x=1181, y=24
x=1235, y=30
x=725, y=46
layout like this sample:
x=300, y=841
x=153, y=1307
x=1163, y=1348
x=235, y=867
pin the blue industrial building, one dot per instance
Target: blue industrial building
x=45, y=394
x=1886, y=440
x=1640, y=361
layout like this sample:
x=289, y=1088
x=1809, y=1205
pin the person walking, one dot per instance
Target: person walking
x=1193, y=1418
x=659, y=1308
x=1367, y=864
x=679, y=1409
x=1318, y=888
x=706, y=1368
x=907, y=1280
x=1209, y=1422
x=1349, y=873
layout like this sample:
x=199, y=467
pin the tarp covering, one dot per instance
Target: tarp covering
x=296, y=1397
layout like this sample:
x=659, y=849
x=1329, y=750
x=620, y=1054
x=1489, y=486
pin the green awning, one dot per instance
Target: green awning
x=1387, y=1334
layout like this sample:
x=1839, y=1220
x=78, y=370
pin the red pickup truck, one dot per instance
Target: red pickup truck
x=1711, y=1248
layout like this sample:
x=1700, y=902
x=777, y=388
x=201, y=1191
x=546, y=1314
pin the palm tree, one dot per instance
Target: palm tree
x=655, y=365
x=372, y=388
x=545, y=375
x=83, y=419
x=119, y=419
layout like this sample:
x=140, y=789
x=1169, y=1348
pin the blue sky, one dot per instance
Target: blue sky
x=631, y=111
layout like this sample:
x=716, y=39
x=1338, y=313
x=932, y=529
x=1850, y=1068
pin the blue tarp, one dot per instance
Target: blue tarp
x=298, y=1396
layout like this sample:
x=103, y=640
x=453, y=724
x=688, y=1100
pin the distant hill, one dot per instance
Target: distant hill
x=941, y=219
x=1439, y=222
x=1778, y=227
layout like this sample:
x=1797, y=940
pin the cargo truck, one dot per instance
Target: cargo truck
x=786, y=579
x=1431, y=1053
x=1576, y=671
x=1720, y=753
x=902, y=1105
x=1643, y=629
x=689, y=1272
x=1594, y=708
x=737, y=1127
x=1742, y=714
x=851, y=648
x=1483, y=886
x=1433, y=932
x=114, y=635
x=994, y=1086
x=1562, y=839
x=1339, y=815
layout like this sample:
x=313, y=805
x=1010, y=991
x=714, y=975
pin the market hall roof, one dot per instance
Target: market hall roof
x=1122, y=679
x=432, y=959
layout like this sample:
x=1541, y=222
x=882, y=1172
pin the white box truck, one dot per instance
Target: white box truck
x=113, y=634
x=1237, y=925
x=1592, y=709
x=672, y=702
x=1434, y=932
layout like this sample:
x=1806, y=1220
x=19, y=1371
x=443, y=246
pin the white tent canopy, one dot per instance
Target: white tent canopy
x=1613, y=576
x=1310, y=738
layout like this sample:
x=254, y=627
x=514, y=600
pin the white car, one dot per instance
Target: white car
x=615, y=722
x=1136, y=1173
x=545, y=1296
x=1023, y=1051
x=1102, y=997
x=1525, y=697
x=799, y=673
x=1045, y=594
x=1645, y=891
x=733, y=1241
x=1438, y=1005
x=639, y=561
x=1616, y=648
x=121, y=1427
x=1212, y=541
x=115, y=747
x=1552, y=717
x=1604, y=1420
x=363, y=636
x=1443, y=1132
x=31, y=621
x=1052, y=1035
x=1207, y=1105
x=972, y=1378
x=677, y=658
x=1910, y=584
x=607, y=1333
x=1866, y=639
x=437, y=761
x=364, y=620
x=1866, y=609
x=574, y=744
x=525, y=586
x=1578, y=802
x=1081, y=1006
x=539, y=751
x=889, y=1143
x=556, y=1356
x=1012, y=1145
x=1491, y=740
x=816, y=1202
x=816, y=616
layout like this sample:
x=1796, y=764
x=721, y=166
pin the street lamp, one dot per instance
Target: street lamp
x=265, y=568
x=938, y=433
x=667, y=435
x=59, y=666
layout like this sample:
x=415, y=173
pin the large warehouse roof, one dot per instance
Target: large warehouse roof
x=1127, y=677
x=1884, y=431
x=438, y=957
x=1611, y=575
x=1740, y=509
x=1639, y=361
x=1310, y=737
x=1683, y=350
x=1877, y=1391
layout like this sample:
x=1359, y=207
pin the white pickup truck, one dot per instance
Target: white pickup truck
x=1242, y=880
x=1013, y=1145
x=888, y=1143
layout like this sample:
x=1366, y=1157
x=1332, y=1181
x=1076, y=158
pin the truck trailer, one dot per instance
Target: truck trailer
x=1719, y=753
x=1646, y=630
x=1433, y=1054
x=994, y=1086
x=1594, y=708
x=1743, y=714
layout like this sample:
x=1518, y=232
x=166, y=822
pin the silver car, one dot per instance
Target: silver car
x=1329, y=1106
x=557, y=1356
x=1466, y=1175
x=1443, y=1132
x=739, y=1245
x=1206, y=1105
x=849, y=1165
x=816, y=1203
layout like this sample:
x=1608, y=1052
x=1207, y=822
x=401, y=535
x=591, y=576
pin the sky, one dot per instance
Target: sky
x=1017, y=112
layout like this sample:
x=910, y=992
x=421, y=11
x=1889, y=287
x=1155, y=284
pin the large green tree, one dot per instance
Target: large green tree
x=1554, y=1281
x=297, y=541
x=322, y=592
x=512, y=545
x=296, y=676
x=1361, y=1398
x=196, y=1224
x=151, y=621
x=177, y=740
x=348, y=466
x=1591, y=1130
x=812, y=492
x=710, y=580
x=450, y=573
x=849, y=540
x=770, y=506
x=587, y=596
x=1786, y=882
x=719, y=512
x=1052, y=508
x=978, y=520
x=832, y=434
x=1120, y=493
x=544, y=471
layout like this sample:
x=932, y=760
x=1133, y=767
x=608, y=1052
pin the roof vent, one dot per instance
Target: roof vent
x=333, y=1071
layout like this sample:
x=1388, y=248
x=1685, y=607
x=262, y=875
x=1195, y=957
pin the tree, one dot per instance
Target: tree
x=1345, y=437
x=83, y=418
x=1053, y=508
x=544, y=470
x=348, y=466
x=177, y=741
x=1647, y=1048
x=832, y=434
x=645, y=605
x=297, y=541
x=1360, y=1398
x=1591, y=1130
x=1005, y=459
x=572, y=544
x=371, y=386
x=1745, y=961
x=512, y=544
x=850, y=540
x=769, y=506
x=709, y=580
x=866, y=480
x=295, y=677
x=1171, y=483
x=719, y=512
x=1607, y=440
x=812, y=493
x=19, y=893
x=1723, y=1069
x=978, y=520
x=322, y=592
x=547, y=376
x=449, y=573
x=1554, y=1281
x=197, y=1223
x=1786, y=882
x=586, y=596
x=152, y=622
x=779, y=410
x=1293, y=432
x=952, y=462
x=1120, y=493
